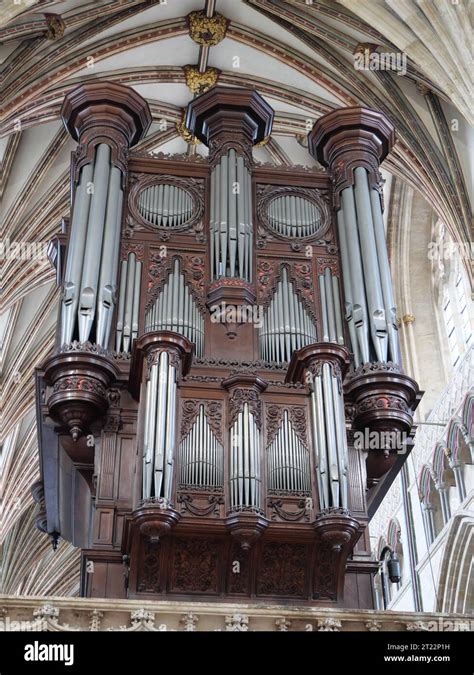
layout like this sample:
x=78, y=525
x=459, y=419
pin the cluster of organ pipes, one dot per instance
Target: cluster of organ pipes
x=329, y=438
x=244, y=477
x=201, y=455
x=293, y=216
x=128, y=303
x=288, y=460
x=91, y=267
x=287, y=325
x=159, y=429
x=175, y=309
x=331, y=308
x=165, y=205
x=231, y=231
x=370, y=307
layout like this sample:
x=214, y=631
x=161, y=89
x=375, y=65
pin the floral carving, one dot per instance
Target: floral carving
x=195, y=565
x=238, y=397
x=283, y=570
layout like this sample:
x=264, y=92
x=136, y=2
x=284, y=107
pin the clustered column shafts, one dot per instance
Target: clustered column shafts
x=159, y=360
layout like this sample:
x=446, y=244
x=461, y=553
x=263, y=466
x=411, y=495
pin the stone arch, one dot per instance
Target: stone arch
x=456, y=578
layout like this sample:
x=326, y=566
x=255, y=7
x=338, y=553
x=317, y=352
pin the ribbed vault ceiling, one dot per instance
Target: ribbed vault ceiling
x=299, y=56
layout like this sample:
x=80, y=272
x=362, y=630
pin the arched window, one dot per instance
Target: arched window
x=430, y=505
x=459, y=450
x=453, y=292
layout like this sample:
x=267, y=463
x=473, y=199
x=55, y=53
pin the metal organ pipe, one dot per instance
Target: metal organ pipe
x=94, y=240
x=110, y=258
x=129, y=303
x=359, y=308
x=92, y=260
x=373, y=286
x=347, y=283
x=159, y=425
x=175, y=309
x=244, y=475
x=385, y=277
x=231, y=218
x=75, y=254
x=288, y=460
x=370, y=306
x=286, y=325
x=165, y=205
x=328, y=422
x=331, y=307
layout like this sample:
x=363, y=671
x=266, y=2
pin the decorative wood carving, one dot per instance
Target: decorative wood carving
x=161, y=266
x=267, y=193
x=228, y=117
x=195, y=565
x=283, y=570
x=212, y=410
x=350, y=137
x=194, y=187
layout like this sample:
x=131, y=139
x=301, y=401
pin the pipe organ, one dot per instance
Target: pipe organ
x=225, y=329
x=286, y=323
x=175, y=309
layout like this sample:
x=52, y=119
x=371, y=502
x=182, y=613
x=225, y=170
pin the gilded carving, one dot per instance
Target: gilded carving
x=207, y=31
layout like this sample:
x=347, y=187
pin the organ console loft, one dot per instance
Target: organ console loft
x=226, y=332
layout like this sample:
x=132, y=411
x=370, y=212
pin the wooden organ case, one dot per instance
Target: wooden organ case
x=225, y=329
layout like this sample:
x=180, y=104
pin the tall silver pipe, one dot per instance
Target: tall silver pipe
x=347, y=284
x=75, y=254
x=232, y=199
x=324, y=308
x=160, y=431
x=373, y=287
x=94, y=240
x=359, y=308
x=129, y=295
x=385, y=276
x=337, y=308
